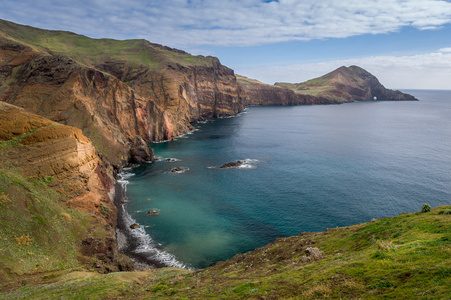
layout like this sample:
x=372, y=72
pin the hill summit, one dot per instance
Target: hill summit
x=347, y=84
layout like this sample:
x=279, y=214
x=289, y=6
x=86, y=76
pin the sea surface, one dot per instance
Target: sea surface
x=307, y=168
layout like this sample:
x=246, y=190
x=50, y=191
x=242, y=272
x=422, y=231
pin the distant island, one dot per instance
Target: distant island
x=74, y=111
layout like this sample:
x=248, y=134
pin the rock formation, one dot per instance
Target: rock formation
x=119, y=103
x=259, y=93
x=66, y=160
x=347, y=84
x=342, y=85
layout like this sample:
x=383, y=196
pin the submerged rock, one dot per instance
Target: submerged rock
x=153, y=213
x=178, y=170
x=171, y=159
x=233, y=164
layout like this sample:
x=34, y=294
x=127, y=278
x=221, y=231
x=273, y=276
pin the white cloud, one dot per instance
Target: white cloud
x=445, y=49
x=423, y=71
x=228, y=22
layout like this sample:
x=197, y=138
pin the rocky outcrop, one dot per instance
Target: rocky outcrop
x=347, y=84
x=342, y=85
x=233, y=164
x=66, y=160
x=120, y=105
x=258, y=93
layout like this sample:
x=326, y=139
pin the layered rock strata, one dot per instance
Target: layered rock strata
x=66, y=160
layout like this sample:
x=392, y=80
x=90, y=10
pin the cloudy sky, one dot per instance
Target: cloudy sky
x=405, y=43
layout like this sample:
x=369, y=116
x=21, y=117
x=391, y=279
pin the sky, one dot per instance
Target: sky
x=406, y=44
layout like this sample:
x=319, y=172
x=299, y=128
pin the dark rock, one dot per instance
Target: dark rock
x=139, y=151
x=178, y=170
x=170, y=159
x=233, y=164
x=134, y=226
x=153, y=213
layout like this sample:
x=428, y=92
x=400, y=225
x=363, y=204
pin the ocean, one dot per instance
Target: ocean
x=306, y=168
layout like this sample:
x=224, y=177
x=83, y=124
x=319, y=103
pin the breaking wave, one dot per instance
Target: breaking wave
x=141, y=242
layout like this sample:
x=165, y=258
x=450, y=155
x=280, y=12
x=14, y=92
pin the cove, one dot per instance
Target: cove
x=307, y=168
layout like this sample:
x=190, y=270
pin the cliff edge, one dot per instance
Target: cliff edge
x=347, y=84
x=54, y=206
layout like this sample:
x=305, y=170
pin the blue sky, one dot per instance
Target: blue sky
x=405, y=43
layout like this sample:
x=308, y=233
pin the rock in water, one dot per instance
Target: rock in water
x=134, y=226
x=153, y=213
x=232, y=164
x=178, y=170
x=171, y=159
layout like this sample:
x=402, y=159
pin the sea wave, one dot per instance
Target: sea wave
x=249, y=163
x=145, y=245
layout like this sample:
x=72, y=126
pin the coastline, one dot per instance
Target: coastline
x=136, y=244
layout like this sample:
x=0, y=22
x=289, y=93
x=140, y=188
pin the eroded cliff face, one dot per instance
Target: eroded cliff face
x=346, y=84
x=119, y=107
x=66, y=160
x=258, y=93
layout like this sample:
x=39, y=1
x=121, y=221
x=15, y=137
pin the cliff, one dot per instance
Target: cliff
x=258, y=93
x=346, y=84
x=339, y=86
x=122, y=94
x=54, y=195
x=404, y=257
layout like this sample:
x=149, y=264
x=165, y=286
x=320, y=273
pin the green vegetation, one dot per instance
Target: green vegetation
x=35, y=235
x=426, y=208
x=96, y=51
x=404, y=257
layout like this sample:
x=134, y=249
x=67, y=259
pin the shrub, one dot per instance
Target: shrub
x=426, y=208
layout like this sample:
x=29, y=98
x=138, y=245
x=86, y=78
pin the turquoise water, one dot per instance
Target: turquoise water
x=308, y=168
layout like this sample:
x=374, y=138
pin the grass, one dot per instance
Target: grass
x=403, y=257
x=95, y=51
x=35, y=235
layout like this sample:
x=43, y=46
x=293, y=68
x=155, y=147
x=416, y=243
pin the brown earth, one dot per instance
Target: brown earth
x=66, y=159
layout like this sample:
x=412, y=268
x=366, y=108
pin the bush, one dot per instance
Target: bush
x=426, y=208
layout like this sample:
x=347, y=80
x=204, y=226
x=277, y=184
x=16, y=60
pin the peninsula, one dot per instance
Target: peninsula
x=74, y=111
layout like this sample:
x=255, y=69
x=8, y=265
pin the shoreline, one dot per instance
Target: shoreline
x=136, y=244
x=126, y=243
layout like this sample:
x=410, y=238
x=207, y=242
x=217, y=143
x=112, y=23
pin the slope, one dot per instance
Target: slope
x=346, y=84
x=403, y=257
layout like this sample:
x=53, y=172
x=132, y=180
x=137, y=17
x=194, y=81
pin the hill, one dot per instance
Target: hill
x=346, y=84
x=122, y=94
x=54, y=209
x=403, y=257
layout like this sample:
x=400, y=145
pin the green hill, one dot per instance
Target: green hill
x=92, y=52
x=346, y=84
x=403, y=257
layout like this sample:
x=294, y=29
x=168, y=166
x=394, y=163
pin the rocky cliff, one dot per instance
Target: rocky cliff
x=346, y=84
x=62, y=158
x=122, y=94
x=258, y=93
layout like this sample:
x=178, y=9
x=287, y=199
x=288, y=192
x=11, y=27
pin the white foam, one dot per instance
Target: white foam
x=171, y=159
x=146, y=245
x=248, y=163
x=178, y=172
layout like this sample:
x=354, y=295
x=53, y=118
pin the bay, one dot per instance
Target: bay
x=308, y=168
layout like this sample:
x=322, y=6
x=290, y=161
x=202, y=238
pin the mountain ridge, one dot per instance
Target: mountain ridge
x=120, y=95
x=347, y=83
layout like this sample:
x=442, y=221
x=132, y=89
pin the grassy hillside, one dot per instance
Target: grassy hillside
x=340, y=84
x=37, y=232
x=95, y=51
x=404, y=257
